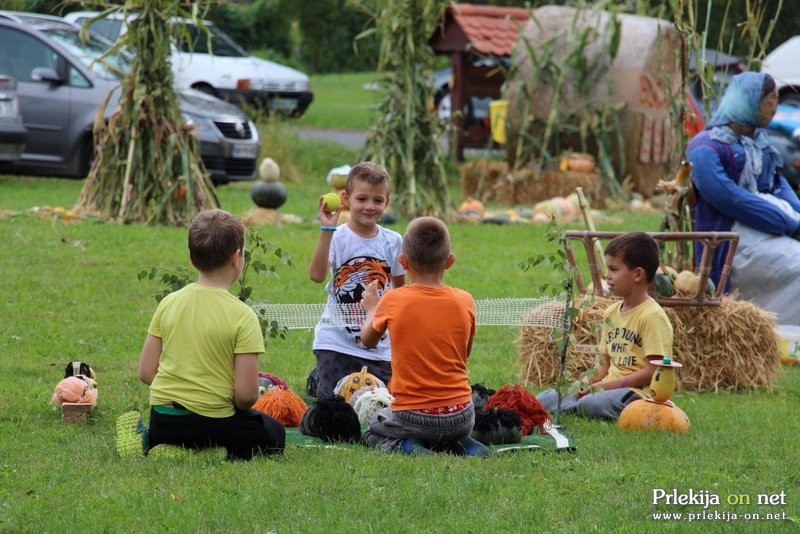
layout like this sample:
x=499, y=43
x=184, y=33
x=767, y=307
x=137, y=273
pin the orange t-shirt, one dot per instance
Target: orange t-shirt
x=431, y=328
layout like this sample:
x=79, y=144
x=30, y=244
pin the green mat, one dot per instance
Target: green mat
x=555, y=440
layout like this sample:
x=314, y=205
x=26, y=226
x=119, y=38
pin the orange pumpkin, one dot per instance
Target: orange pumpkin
x=644, y=415
x=580, y=163
x=471, y=207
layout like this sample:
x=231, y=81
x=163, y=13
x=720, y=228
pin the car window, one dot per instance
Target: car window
x=91, y=54
x=107, y=28
x=29, y=54
x=221, y=44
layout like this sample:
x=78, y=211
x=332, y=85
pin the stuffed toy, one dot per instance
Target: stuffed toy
x=331, y=420
x=355, y=381
x=480, y=396
x=497, y=426
x=524, y=404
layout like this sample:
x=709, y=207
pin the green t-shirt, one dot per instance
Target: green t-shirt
x=201, y=328
x=629, y=337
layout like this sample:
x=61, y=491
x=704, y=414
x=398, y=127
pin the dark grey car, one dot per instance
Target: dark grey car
x=13, y=133
x=61, y=88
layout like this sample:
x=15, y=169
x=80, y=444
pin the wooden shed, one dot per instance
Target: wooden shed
x=479, y=41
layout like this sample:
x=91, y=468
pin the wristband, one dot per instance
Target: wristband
x=328, y=228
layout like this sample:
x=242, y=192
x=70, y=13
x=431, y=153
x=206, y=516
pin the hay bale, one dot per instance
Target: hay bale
x=728, y=347
x=532, y=187
x=479, y=177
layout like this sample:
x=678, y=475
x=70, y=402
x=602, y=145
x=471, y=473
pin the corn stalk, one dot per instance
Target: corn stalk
x=147, y=165
x=406, y=138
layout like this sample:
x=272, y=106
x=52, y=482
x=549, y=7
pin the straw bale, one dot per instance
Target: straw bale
x=478, y=177
x=532, y=187
x=728, y=347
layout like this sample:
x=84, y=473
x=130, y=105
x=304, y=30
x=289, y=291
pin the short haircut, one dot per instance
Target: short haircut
x=214, y=236
x=426, y=244
x=636, y=249
x=369, y=172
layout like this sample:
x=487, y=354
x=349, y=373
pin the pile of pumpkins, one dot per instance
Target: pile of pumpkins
x=268, y=192
x=671, y=283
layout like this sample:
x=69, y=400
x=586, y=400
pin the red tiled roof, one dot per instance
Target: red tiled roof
x=489, y=29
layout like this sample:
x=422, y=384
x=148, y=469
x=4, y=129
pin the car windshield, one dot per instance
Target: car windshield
x=220, y=43
x=111, y=66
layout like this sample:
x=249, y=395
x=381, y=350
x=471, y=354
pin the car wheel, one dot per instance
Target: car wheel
x=791, y=98
x=207, y=89
x=86, y=156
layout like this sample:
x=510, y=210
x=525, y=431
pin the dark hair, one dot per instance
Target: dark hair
x=768, y=87
x=426, y=244
x=369, y=172
x=636, y=249
x=214, y=236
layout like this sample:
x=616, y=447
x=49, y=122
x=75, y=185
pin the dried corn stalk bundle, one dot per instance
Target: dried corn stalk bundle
x=730, y=347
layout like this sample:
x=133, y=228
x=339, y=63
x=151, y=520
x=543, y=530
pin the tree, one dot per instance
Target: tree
x=147, y=164
x=406, y=138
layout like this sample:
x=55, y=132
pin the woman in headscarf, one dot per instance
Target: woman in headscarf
x=736, y=174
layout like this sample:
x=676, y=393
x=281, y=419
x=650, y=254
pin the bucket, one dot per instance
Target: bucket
x=497, y=119
x=789, y=343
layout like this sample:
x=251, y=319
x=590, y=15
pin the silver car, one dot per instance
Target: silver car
x=13, y=133
x=61, y=88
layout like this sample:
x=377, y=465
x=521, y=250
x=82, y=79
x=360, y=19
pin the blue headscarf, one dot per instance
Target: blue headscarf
x=741, y=104
x=741, y=101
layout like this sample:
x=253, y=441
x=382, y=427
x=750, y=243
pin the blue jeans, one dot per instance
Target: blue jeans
x=603, y=404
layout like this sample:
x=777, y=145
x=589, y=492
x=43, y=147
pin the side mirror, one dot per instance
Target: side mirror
x=46, y=74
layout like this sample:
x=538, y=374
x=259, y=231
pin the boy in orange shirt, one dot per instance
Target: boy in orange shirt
x=431, y=326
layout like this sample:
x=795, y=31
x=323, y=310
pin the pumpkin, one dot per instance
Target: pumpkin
x=580, y=163
x=644, y=415
x=269, y=170
x=664, y=285
x=471, y=207
x=270, y=195
x=355, y=381
x=687, y=284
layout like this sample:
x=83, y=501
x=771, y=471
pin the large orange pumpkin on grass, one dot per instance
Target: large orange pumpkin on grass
x=644, y=415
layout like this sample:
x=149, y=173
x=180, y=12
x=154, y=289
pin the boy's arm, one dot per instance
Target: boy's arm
x=318, y=269
x=148, y=361
x=369, y=300
x=636, y=379
x=245, y=380
x=601, y=367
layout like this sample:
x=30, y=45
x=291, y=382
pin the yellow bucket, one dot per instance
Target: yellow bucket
x=497, y=117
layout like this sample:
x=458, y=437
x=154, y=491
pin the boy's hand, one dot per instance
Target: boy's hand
x=327, y=218
x=370, y=296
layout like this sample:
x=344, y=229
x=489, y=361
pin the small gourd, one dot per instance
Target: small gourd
x=664, y=285
x=268, y=170
x=355, y=381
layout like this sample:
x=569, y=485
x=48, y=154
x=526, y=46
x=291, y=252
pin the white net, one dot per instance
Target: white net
x=544, y=311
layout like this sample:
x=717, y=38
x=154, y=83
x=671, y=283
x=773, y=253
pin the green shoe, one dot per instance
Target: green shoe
x=169, y=451
x=129, y=435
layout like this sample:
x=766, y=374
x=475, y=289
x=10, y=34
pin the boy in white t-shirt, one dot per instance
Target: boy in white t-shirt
x=355, y=254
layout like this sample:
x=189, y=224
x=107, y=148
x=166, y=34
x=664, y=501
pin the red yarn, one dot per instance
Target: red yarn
x=521, y=402
x=282, y=404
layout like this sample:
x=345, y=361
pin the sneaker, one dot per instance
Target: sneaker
x=129, y=434
x=470, y=446
x=413, y=446
x=167, y=450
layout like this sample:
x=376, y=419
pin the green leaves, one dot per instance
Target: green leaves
x=261, y=258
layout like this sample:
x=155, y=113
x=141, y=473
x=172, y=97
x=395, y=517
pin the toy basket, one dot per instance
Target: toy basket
x=710, y=242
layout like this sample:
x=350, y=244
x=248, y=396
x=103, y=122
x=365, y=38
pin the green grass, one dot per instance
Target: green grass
x=343, y=101
x=70, y=291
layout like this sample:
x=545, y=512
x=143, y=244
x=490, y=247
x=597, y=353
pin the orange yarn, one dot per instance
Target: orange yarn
x=282, y=404
x=521, y=402
x=73, y=389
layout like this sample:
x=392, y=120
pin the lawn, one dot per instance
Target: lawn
x=70, y=291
